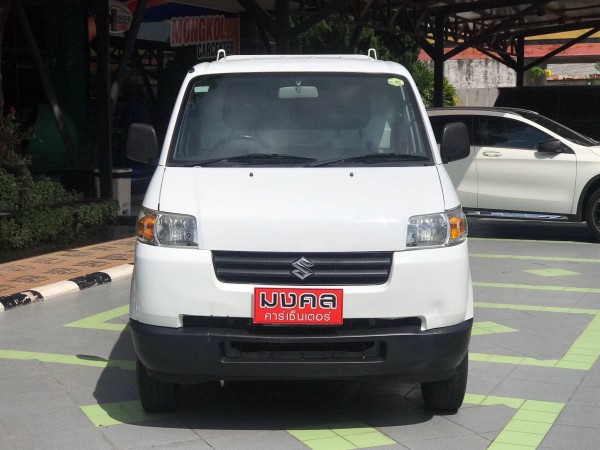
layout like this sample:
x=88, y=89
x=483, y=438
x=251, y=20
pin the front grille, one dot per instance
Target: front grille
x=365, y=268
x=362, y=350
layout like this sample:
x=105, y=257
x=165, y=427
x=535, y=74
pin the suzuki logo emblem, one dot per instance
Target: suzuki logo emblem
x=302, y=266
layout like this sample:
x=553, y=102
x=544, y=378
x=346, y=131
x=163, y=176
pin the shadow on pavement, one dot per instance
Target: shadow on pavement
x=268, y=405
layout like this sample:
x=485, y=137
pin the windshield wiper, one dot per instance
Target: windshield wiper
x=264, y=158
x=372, y=158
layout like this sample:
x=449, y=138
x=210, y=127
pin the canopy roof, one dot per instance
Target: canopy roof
x=489, y=25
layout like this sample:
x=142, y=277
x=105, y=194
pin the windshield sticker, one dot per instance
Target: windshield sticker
x=395, y=82
x=198, y=89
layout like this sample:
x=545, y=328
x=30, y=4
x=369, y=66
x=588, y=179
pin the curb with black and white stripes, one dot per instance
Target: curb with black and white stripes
x=64, y=287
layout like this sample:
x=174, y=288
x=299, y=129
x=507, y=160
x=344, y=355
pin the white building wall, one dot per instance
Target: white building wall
x=477, y=80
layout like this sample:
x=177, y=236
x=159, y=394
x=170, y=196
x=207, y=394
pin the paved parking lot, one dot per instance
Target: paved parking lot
x=67, y=375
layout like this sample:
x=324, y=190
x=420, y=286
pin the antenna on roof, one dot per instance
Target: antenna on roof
x=221, y=54
x=372, y=53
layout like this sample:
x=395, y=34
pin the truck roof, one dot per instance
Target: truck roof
x=299, y=63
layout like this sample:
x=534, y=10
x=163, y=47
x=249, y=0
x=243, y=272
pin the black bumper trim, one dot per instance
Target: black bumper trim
x=192, y=355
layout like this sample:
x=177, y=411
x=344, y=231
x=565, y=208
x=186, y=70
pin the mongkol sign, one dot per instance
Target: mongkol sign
x=197, y=30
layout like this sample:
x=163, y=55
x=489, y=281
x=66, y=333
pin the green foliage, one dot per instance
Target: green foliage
x=41, y=212
x=402, y=49
x=423, y=77
x=332, y=37
x=12, y=138
x=538, y=71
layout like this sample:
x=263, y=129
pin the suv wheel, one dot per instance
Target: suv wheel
x=155, y=395
x=447, y=395
x=592, y=214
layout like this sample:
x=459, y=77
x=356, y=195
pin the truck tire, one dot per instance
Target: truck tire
x=592, y=214
x=447, y=395
x=155, y=395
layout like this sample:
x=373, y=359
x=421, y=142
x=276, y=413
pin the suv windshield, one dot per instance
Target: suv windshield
x=300, y=119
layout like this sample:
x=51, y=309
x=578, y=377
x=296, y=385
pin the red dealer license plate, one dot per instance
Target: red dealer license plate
x=298, y=306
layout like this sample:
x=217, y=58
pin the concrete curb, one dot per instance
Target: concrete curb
x=64, y=287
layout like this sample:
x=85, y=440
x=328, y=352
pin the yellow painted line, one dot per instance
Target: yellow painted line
x=118, y=413
x=534, y=258
x=99, y=321
x=528, y=426
x=78, y=360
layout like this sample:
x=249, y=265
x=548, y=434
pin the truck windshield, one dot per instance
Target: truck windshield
x=300, y=119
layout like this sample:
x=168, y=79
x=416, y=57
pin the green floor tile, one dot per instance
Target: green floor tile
x=519, y=438
x=538, y=405
x=304, y=435
x=503, y=446
x=552, y=272
x=535, y=416
x=332, y=443
x=528, y=427
x=372, y=439
x=491, y=400
x=351, y=430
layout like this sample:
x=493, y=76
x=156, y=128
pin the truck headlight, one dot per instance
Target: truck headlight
x=168, y=229
x=437, y=230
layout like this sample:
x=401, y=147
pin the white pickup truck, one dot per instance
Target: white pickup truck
x=300, y=224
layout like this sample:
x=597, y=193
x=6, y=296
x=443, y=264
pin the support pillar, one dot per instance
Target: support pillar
x=282, y=26
x=520, y=50
x=438, y=62
x=104, y=122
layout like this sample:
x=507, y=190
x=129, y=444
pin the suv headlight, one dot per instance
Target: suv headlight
x=168, y=229
x=437, y=230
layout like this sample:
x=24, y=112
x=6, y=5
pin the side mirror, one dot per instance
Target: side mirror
x=142, y=145
x=455, y=142
x=550, y=146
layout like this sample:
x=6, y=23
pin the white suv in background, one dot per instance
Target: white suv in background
x=524, y=163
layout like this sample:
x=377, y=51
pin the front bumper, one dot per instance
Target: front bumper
x=202, y=353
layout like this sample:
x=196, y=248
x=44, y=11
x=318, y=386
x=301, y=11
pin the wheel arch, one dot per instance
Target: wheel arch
x=588, y=190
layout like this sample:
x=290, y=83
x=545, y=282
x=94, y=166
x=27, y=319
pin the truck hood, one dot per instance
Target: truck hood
x=302, y=209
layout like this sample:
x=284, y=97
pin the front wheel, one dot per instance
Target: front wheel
x=155, y=395
x=447, y=395
x=592, y=214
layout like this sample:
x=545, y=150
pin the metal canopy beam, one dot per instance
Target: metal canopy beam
x=491, y=31
x=492, y=26
x=497, y=28
x=562, y=48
